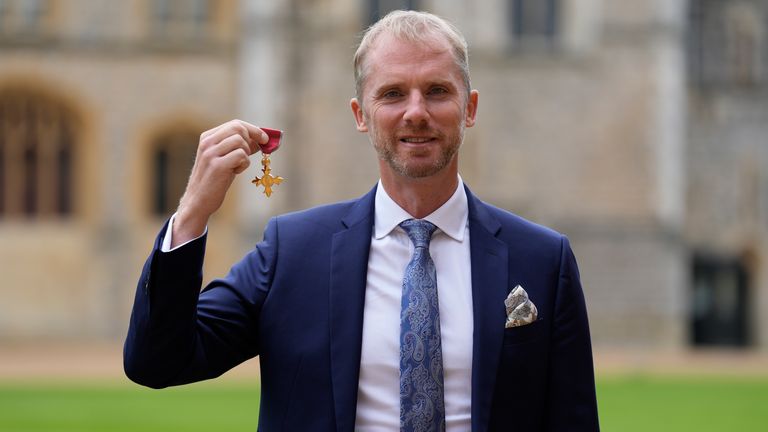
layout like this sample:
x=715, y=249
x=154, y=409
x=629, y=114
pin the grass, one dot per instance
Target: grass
x=111, y=406
x=700, y=404
x=627, y=404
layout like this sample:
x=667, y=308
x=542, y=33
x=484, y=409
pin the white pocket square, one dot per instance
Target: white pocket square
x=520, y=309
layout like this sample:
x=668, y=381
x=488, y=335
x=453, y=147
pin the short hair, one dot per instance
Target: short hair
x=412, y=26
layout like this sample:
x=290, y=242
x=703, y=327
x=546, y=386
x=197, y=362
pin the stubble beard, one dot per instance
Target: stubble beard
x=406, y=165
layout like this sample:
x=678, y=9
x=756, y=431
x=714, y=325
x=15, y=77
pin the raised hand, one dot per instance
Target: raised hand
x=222, y=154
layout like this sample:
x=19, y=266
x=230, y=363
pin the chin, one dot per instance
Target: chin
x=418, y=170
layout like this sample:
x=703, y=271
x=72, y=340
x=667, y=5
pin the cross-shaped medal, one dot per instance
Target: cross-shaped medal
x=268, y=180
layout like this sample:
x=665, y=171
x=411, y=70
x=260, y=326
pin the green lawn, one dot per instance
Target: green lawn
x=627, y=404
x=107, y=407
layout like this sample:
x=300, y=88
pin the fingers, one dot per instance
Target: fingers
x=236, y=160
x=211, y=140
x=256, y=133
x=274, y=140
x=252, y=135
x=224, y=158
x=228, y=145
x=225, y=148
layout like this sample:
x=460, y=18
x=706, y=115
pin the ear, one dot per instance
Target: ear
x=357, y=111
x=471, y=111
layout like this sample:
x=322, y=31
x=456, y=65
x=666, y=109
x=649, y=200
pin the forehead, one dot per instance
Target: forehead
x=391, y=57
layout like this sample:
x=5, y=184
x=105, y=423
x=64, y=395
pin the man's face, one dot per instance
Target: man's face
x=415, y=106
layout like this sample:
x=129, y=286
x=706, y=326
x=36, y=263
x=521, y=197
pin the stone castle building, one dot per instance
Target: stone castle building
x=636, y=128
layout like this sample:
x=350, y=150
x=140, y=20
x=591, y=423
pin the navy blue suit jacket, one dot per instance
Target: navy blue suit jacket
x=297, y=300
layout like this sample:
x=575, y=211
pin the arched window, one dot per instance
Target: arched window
x=378, y=8
x=23, y=18
x=172, y=158
x=36, y=155
x=727, y=44
x=182, y=20
x=534, y=18
x=745, y=42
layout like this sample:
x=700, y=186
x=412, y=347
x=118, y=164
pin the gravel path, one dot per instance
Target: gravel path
x=104, y=361
x=77, y=361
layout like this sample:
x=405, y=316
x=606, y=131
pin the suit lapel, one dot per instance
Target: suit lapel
x=349, y=265
x=489, y=257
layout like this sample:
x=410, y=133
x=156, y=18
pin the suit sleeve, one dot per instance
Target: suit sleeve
x=572, y=399
x=178, y=334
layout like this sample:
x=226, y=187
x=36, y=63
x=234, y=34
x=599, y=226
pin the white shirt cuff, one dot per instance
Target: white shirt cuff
x=166, y=246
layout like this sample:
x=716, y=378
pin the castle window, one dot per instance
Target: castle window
x=36, y=156
x=533, y=21
x=181, y=20
x=22, y=18
x=172, y=159
x=727, y=44
x=720, y=312
x=31, y=13
x=377, y=9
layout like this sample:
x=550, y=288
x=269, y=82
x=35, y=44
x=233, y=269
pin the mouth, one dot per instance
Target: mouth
x=416, y=140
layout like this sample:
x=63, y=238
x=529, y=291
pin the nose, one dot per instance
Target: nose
x=416, y=111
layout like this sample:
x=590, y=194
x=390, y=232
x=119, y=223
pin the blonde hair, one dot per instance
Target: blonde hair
x=411, y=26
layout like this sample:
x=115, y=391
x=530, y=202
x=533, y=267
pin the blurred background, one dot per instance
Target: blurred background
x=637, y=128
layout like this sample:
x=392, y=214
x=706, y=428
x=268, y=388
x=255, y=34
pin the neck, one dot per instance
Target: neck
x=421, y=196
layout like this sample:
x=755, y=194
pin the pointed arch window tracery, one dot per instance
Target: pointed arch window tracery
x=37, y=136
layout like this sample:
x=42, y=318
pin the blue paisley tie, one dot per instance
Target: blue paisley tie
x=422, y=407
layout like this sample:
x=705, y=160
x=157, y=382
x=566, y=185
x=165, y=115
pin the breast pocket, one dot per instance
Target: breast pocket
x=525, y=334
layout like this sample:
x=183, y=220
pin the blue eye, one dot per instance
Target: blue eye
x=391, y=94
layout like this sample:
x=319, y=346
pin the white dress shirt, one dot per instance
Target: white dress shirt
x=166, y=246
x=378, y=397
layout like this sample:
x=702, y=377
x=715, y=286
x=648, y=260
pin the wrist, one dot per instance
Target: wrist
x=187, y=226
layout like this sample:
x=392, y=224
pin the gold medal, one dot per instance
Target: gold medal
x=267, y=180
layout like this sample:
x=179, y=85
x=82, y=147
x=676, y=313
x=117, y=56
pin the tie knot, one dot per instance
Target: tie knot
x=419, y=231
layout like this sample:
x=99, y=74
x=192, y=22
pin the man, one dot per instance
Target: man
x=386, y=312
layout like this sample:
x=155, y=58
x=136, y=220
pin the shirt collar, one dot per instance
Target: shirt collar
x=450, y=218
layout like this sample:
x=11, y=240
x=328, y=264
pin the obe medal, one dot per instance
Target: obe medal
x=267, y=180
